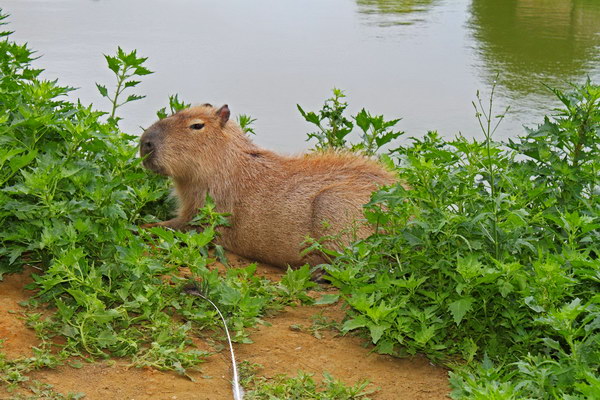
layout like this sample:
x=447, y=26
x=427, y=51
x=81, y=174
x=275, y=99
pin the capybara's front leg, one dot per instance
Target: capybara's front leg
x=177, y=223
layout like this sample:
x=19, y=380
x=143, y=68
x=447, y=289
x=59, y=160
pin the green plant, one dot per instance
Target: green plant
x=125, y=66
x=175, y=105
x=332, y=124
x=334, y=127
x=322, y=322
x=491, y=258
x=303, y=386
x=246, y=122
x=563, y=152
x=484, y=117
x=72, y=195
x=45, y=391
x=14, y=372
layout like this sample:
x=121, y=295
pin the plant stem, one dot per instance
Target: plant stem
x=120, y=79
x=488, y=144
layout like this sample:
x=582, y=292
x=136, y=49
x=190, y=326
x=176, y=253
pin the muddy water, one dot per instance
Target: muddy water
x=422, y=60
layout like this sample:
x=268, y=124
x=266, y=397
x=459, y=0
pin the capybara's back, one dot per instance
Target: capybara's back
x=276, y=202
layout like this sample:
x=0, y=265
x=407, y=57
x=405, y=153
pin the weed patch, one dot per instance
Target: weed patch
x=301, y=386
x=491, y=258
x=72, y=195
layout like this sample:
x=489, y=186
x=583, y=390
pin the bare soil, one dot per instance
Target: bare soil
x=280, y=347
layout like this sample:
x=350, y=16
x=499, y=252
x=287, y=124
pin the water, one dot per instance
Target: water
x=422, y=60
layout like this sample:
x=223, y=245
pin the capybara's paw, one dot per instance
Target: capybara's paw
x=146, y=226
x=319, y=276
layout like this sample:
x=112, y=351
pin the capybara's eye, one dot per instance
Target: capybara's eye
x=197, y=126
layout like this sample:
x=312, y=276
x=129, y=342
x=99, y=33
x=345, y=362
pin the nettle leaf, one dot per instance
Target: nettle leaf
x=102, y=89
x=387, y=137
x=424, y=335
x=327, y=299
x=200, y=239
x=532, y=303
x=114, y=212
x=19, y=162
x=358, y=322
x=113, y=63
x=361, y=302
x=14, y=254
x=70, y=331
x=131, y=83
x=162, y=113
x=385, y=347
x=166, y=235
x=505, y=287
x=380, y=312
x=377, y=331
x=309, y=116
x=230, y=296
x=103, y=317
x=142, y=70
x=8, y=154
x=133, y=97
x=363, y=120
x=297, y=280
x=469, y=266
x=82, y=298
x=460, y=307
x=551, y=343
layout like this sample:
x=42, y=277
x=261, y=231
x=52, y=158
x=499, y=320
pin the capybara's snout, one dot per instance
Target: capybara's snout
x=146, y=147
x=149, y=148
x=149, y=142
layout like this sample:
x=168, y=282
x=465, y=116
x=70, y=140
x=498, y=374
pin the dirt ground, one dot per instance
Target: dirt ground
x=280, y=348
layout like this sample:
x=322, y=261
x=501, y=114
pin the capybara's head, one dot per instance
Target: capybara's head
x=187, y=144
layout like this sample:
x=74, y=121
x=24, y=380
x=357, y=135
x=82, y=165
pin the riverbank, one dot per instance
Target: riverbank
x=285, y=344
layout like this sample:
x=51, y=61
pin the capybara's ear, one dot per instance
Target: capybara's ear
x=223, y=114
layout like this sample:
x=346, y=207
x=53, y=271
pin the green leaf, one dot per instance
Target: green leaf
x=102, y=89
x=385, y=347
x=469, y=266
x=133, y=97
x=327, y=299
x=230, y=296
x=80, y=297
x=460, y=307
x=131, y=84
x=113, y=63
x=162, y=113
x=532, y=303
x=363, y=120
x=297, y=280
x=377, y=331
x=19, y=162
x=424, y=335
x=106, y=338
x=143, y=70
x=309, y=116
x=351, y=324
x=177, y=105
x=8, y=154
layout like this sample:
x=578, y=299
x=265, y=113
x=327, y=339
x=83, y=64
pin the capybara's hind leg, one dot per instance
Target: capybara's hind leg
x=337, y=215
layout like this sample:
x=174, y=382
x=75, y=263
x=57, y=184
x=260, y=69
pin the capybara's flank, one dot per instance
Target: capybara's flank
x=275, y=201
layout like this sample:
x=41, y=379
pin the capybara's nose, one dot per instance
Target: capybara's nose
x=146, y=146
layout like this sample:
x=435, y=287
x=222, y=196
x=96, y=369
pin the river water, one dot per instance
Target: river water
x=421, y=60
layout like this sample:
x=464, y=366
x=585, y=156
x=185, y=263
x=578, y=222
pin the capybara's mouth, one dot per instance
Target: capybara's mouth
x=150, y=164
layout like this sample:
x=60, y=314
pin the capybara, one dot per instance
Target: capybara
x=275, y=202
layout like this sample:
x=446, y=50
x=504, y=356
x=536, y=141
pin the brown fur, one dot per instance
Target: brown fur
x=275, y=201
